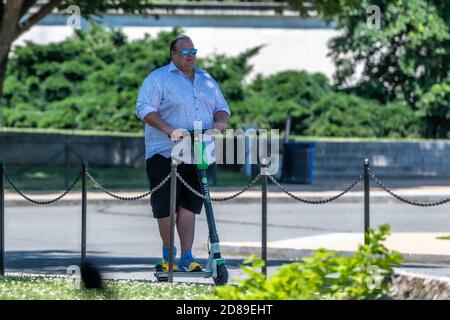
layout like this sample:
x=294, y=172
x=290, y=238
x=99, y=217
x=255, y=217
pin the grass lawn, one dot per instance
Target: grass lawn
x=52, y=178
x=443, y=238
x=43, y=288
x=141, y=134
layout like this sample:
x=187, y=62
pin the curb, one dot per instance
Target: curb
x=289, y=253
x=273, y=197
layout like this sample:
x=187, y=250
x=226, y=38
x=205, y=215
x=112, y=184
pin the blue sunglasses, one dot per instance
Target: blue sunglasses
x=186, y=52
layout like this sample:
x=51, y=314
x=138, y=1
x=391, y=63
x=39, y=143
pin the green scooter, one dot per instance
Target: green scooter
x=215, y=266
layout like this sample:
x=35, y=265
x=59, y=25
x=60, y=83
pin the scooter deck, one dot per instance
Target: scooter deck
x=183, y=274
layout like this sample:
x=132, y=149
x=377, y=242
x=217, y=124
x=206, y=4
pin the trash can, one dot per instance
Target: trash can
x=298, y=162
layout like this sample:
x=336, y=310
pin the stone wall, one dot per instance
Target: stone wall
x=332, y=160
x=413, y=286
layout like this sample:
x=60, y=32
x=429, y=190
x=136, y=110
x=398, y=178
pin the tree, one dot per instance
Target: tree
x=16, y=18
x=401, y=60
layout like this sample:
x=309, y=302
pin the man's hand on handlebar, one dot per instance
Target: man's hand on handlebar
x=220, y=126
x=177, y=134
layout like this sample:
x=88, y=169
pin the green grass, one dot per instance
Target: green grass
x=443, y=238
x=73, y=132
x=52, y=178
x=141, y=134
x=45, y=288
x=356, y=139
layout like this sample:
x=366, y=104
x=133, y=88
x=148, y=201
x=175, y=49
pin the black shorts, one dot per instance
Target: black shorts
x=158, y=167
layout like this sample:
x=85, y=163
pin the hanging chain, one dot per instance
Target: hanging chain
x=200, y=195
x=42, y=202
x=100, y=187
x=414, y=203
x=350, y=187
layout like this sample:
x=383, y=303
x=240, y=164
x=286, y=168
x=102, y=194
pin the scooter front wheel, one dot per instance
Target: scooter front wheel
x=222, y=275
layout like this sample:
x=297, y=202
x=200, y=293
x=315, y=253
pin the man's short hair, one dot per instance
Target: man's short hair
x=173, y=44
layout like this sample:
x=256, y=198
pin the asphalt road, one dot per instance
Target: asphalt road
x=123, y=240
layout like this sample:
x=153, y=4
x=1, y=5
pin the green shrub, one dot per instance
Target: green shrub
x=325, y=275
x=98, y=74
x=270, y=100
x=434, y=110
x=397, y=120
x=56, y=87
x=343, y=115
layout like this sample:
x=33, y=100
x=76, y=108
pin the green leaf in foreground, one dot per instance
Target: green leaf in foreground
x=325, y=275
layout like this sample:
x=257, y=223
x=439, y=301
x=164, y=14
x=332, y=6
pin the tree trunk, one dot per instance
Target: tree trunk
x=3, y=65
x=10, y=29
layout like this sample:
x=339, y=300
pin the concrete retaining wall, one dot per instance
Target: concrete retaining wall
x=28, y=149
x=413, y=286
x=332, y=160
x=412, y=160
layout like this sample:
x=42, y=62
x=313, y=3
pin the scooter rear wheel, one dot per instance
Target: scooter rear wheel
x=161, y=279
x=222, y=275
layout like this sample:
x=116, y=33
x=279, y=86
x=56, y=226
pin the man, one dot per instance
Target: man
x=174, y=97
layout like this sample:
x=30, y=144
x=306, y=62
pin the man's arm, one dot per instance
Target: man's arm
x=221, y=120
x=154, y=119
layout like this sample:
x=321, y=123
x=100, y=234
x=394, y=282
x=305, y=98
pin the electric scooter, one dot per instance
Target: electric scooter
x=215, y=266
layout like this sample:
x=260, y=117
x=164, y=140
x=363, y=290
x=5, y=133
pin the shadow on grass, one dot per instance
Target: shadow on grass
x=57, y=262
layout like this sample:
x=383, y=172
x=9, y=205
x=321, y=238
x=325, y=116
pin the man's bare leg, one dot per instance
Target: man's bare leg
x=164, y=230
x=186, y=229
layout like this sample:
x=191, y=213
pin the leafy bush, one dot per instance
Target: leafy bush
x=269, y=100
x=91, y=80
x=434, y=110
x=230, y=72
x=344, y=115
x=397, y=120
x=325, y=275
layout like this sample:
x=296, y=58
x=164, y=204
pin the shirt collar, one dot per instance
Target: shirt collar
x=173, y=67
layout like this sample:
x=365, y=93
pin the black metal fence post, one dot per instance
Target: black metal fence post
x=2, y=219
x=66, y=165
x=366, y=200
x=173, y=207
x=264, y=173
x=83, y=211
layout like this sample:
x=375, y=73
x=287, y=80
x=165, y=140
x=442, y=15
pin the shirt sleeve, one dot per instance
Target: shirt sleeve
x=149, y=97
x=221, y=104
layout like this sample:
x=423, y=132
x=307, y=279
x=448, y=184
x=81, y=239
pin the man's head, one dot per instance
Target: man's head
x=182, y=54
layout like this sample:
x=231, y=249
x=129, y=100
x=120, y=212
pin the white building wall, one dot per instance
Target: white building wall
x=285, y=49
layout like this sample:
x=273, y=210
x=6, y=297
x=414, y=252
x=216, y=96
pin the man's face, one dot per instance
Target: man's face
x=185, y=62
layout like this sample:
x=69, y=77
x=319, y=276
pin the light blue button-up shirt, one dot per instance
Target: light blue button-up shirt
x=180, y=103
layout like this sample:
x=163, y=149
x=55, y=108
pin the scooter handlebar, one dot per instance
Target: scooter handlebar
x=191, y=132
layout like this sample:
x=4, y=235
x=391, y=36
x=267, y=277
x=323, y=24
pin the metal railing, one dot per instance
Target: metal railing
x=85, y=176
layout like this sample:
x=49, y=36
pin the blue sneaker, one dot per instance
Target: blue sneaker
x=188, y=263
x=163, y=265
